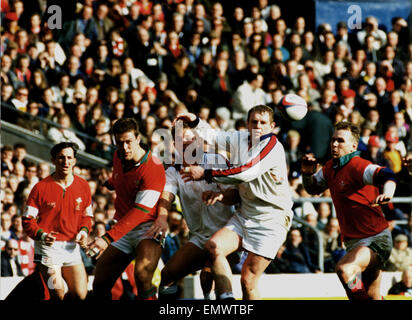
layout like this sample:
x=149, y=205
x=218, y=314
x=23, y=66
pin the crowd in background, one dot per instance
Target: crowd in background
x=152, y=60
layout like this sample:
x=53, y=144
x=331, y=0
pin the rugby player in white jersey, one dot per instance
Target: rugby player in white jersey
x=258, y=167
x=202, y=220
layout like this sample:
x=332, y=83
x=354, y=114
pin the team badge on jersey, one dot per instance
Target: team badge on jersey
x=78, y=202
x=51, y=205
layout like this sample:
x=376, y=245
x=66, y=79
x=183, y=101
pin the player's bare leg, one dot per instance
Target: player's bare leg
x=252, y=269
x=186, y=260
x=350, y=268
x=147, y=258
x=223, y=243
x=372, y=281
x=54, y=281
x=76, y=280
x=206, y=281
x=108, y=269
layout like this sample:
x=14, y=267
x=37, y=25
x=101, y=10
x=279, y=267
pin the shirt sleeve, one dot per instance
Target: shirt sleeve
x=369, y=174
x=86, y=220
x=261, y=158
x=171, y=181
x=29, y=219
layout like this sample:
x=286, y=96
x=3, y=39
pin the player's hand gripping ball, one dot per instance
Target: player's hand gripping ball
x=293, y=107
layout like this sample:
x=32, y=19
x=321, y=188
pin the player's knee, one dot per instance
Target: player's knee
x=144, y=272
x=213, y=249
x=346, y=271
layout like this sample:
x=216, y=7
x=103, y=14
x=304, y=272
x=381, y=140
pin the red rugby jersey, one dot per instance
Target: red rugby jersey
x=353, y=198
x=138, y=188
x=51, y=208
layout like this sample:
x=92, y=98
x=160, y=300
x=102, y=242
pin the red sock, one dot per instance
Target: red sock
x=356, y=290
x=147, y=295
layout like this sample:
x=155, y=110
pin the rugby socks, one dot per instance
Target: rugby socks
x=226, y=296
x=149, y=294
x=168, y=292
x=356, y=289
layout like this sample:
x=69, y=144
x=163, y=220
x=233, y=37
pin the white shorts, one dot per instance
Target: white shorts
x=60, y=254
x=262, y=238
x=129, y=242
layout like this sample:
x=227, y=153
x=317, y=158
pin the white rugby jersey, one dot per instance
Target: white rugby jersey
x=261, y=172
x=202, y=220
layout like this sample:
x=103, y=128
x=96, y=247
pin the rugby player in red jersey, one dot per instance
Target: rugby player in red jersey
x=358, y=188
x=138, y=179
x=58, y=217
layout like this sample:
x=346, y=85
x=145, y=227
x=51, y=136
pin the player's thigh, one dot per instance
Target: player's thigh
x=110, y=266
x=53, y=279
x=359, y=259
x=254, y=266
x=224, y=241
x=76, y=279
x=186, y=260
x=148, y=254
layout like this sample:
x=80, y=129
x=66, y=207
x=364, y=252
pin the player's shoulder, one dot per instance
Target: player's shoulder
x=44, y=182
x=154, y=163
x=80, y=180
x=358, y=162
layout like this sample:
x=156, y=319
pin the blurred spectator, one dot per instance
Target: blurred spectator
x=7, y=165
x=64, y=133
x=10, y=266
x=297, y=255
x=28, y=183
x=293, y=152
x=246, y=96
x=223, y=118
x=5, y=228
x=401, y=255
x=324, y=212
x=43, y=170
x=331, y=243
x=26, y=255
x=172, y=240
x=403, y=287
x=374, y=153
x=31, y=120
x=392, y=155
x=16, y=228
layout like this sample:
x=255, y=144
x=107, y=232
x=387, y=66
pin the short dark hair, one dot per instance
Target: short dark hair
x=19, y=145
x=125, y=125
x=354, y=129
x=261, y=108
x=63, y=145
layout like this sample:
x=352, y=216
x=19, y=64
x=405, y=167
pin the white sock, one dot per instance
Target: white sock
x=168, y=289
x=226, y=295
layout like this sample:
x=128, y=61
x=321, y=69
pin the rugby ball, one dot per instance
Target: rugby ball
x=293, y=107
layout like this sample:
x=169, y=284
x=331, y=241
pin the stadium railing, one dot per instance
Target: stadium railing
x=39, y=138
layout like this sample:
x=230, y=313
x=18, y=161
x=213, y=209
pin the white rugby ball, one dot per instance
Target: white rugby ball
x=293, y=107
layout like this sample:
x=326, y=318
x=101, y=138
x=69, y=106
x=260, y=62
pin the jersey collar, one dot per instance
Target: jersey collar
x=144, y=159
x=340, y=162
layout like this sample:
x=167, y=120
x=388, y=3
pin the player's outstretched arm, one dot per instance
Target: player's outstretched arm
x=228, y=197
x=160, y=226
x=386, y=179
